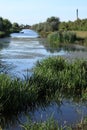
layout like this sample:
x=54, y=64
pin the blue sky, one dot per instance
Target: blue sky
x=35, y=11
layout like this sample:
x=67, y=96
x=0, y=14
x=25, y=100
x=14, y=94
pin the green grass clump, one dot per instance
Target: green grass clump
x=49, y=124
x=15, y=95
x=56, y=73
x=61, y=37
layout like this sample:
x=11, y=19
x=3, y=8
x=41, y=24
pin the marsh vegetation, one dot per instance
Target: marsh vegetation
x=52, y=78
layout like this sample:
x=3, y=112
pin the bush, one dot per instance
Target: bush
x=2, y=34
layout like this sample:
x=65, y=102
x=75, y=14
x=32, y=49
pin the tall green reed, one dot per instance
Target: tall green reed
x=50, y=76
x=55, y=38
x=56, y=73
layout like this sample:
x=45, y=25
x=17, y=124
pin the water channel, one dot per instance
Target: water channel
x=18, y=56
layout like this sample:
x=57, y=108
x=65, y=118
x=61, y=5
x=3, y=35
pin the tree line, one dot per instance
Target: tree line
x=50, y=25
x=6, y=27
x=54, y=24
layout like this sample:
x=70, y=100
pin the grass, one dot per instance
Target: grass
x=51, y=76
x=56, y=73
x=81, y=37
x=65, y=37
x=15, y=95
x=49, y=124
x=81, y=34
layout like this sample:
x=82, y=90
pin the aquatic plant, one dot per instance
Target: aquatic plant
x=15, y=95
x=55, y=73
x=49, y=124
x=61, y=37
x=51, y=77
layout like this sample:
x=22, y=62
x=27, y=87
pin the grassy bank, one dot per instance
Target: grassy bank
x=81, y=34
x=67, y=37
x=82, y=37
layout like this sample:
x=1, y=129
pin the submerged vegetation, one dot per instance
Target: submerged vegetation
x=51, y=124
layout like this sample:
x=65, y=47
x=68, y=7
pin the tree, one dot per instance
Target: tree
x=54, y=23
x=7, y=25
x=15, y=27
x=1, y=24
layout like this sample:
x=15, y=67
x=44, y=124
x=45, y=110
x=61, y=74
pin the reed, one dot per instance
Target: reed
x=49, y=124
x=15, y=95
x=55, y=73
x=61, y=37
x=51, y=76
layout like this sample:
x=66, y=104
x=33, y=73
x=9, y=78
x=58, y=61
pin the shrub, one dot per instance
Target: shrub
x=2, y=34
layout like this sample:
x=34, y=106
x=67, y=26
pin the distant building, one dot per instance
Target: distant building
x=77, y=14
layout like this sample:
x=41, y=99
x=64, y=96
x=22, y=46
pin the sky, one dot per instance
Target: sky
x=35, y=11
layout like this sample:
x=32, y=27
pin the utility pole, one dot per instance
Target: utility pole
x=77, y=14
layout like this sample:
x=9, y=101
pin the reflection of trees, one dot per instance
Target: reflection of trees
x=57, y=101
x=52, y=48
x=4, y=43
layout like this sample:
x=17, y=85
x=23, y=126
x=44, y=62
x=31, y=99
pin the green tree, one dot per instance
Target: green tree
x=15, y=27
x=7, y=25
x=1, y=24
x=54, y=23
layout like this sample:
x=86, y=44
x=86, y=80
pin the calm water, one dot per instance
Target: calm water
x=18, y=55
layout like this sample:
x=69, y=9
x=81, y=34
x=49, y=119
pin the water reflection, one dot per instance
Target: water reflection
x=4, y=43
x=65, y=47
x=62, y=110
x=22, y=54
